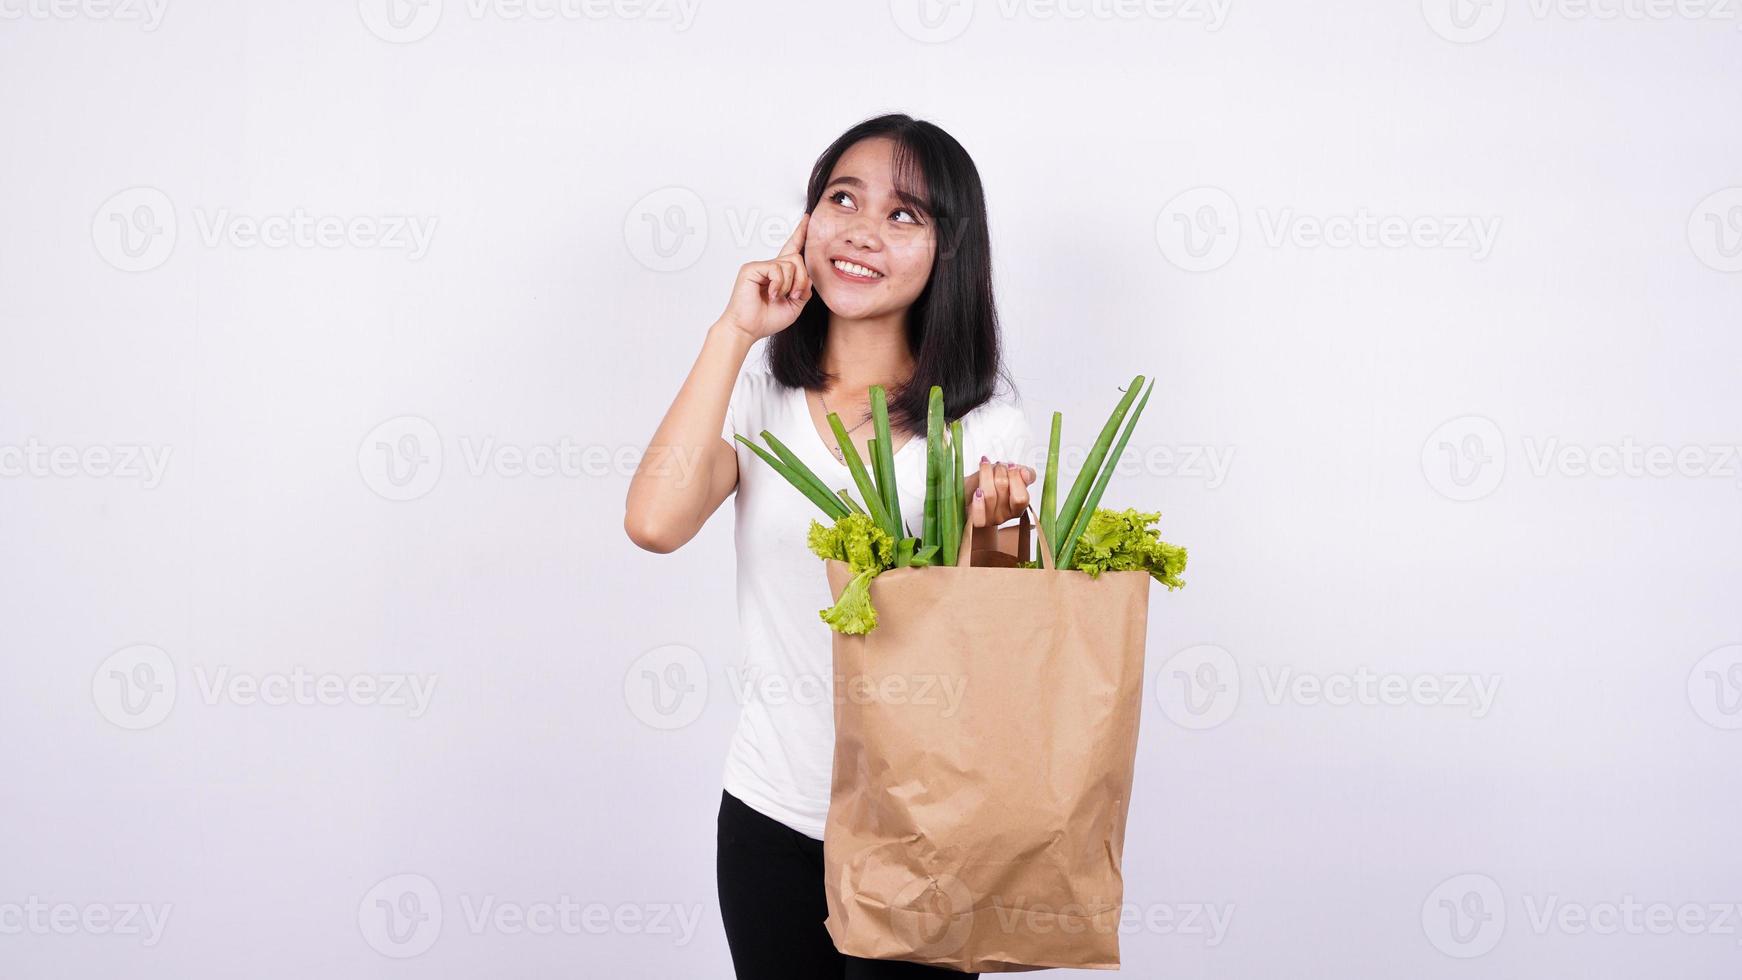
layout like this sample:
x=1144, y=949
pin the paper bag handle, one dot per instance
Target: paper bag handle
x=965, y=553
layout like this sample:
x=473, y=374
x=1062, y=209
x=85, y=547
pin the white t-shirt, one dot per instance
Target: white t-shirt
x=782, y=753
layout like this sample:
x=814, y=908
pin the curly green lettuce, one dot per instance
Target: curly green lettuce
x=853, y=613
x=868, y=550
x=1125, y=541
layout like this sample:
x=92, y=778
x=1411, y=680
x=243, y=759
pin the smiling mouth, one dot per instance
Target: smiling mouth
x=855, y=271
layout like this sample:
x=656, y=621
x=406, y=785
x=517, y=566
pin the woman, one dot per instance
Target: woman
x=886, y=280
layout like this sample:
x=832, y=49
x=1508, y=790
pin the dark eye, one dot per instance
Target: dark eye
x=911, y=217
x=837, y=195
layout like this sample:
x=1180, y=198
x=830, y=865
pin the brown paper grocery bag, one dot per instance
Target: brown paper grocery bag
x=985, y=733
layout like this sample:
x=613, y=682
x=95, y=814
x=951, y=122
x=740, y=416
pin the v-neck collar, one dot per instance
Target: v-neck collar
x=803, y=407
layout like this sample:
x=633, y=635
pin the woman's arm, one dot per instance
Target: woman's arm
x=688, y=470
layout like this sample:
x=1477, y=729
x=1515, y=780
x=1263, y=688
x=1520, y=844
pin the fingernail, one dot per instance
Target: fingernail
x=978, y=493
x=984, y=459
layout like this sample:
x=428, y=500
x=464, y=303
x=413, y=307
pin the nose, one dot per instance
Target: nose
x=862, y=233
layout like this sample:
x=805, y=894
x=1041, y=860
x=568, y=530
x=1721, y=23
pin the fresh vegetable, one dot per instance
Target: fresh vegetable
x=861, y=479
x=1125, y=541
x=1050, y=485
x=868, y=550
x=853, y=613
x=791, y=459
x=1067, y=552
x=884, y=454
x=853, y=539
x=954, y=509
x=1067, y=516
x=821, y=498
x=934, y=468
x=873, y=537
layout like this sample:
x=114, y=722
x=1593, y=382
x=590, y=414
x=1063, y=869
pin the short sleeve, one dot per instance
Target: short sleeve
x=734, y=411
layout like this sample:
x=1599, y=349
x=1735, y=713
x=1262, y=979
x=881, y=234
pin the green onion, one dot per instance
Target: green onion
x=946, y=503
x=1094, y=498
x=904, y=552
x=852, y=505
x=1067, y=515
x=791, y=459
x=884, y=456
x=1050, y=489
x=954, y=510
x=934, y=465
x=856, y=466
x=832, y=507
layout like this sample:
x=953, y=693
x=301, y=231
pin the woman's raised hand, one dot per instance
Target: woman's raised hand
x=768, y=296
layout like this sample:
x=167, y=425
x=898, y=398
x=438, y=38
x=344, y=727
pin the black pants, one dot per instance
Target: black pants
x=770, y=879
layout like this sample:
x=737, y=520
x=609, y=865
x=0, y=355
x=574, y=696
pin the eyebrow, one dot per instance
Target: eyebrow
x=911, y=200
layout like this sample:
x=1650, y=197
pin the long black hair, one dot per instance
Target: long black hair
x=952, y=326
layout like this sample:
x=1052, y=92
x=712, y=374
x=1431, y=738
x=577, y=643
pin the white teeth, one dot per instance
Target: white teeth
x=857, y=270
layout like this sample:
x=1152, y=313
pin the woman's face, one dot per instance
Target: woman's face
x=861, y=221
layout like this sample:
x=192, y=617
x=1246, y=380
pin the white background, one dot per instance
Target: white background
x=1402, y=423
